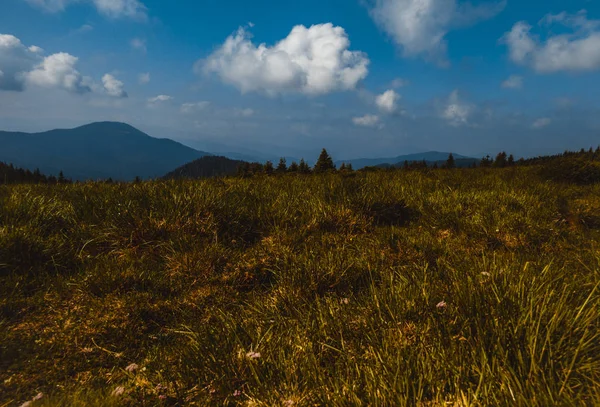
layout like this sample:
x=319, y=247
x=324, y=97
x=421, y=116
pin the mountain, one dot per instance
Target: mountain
x=430, y=157
x=96, y=151
x=205, y=167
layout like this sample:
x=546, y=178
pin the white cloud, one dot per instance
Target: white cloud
x=578, y=50
x=138, y=44
x=110, y=8
x=541, y=123
x=113, y=87
x=456, y=111
x=58, y=71
x=194, y=107
x=15, y=60
x=513, y=82
x=419, y=27
x=35, y=49
x=160, y=99
x=312, y=61
x=144, y=78
x=368, y=120
x=387, y=101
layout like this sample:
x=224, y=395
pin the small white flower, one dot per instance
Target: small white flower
x=118, y=391
x=132, y=368
x=442, y=305
x=38, y=396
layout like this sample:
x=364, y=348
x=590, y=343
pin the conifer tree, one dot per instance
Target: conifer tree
x=343, y=167
x=324, y=163
x=293, y=167
x=511, y=161
x=450, y=163
x=303, y=167
x=282, y=166
x=349, y=167
x=269, y=168
x=500, y=160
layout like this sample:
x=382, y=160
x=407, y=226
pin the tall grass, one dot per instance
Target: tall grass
x=466, y=288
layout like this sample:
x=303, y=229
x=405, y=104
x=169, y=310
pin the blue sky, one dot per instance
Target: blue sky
x=363, y=78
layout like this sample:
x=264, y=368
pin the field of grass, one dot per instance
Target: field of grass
x=451, y=287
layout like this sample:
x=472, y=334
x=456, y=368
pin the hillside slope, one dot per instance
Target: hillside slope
x=97, y=150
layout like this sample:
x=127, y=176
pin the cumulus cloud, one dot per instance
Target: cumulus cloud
x=110, y=8
x=456, y=111
x=194, y=107
x=113, y=87
x=15, y=60
x=58, y=71
x=312, y=61
x=138, y=44
x=368, y=120
x=513, y=82
x=576, y=50
x=387, y=101
x=541, y=123
x=144, y=78
x=419, y=27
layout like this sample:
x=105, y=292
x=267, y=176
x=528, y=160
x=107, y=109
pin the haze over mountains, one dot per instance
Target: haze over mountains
x=117, y=150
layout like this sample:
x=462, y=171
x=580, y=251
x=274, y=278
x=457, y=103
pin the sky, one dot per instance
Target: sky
x=362, y=78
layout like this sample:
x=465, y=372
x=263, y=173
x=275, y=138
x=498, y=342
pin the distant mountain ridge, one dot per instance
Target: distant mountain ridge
x=430, y=157
x=206, y=167
x=96, y=151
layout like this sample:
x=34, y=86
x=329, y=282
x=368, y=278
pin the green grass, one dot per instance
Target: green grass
x=465, y=288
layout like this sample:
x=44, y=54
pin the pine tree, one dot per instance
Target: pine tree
x=450, y=163
x=293, y=167
x=61, y=178
x=282, y=166
x=349, y=167
x=511, y=161
x=406, y=166
x=500, y=160
x=324, y=163
x=269, y=168
x=343, y=167
x=303, y=167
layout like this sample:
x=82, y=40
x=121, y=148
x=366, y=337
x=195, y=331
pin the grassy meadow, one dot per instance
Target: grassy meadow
x=407, y=288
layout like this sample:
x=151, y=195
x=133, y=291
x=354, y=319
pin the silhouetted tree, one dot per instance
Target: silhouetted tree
x=500, y=161
x=324, y=163
x=343, y=167
x=450, y=163
x=486, y=162
x=269, y=168
x=282, y=166
x=349, y=167
x=511, y=161
x=293, y=167
x=303, y=167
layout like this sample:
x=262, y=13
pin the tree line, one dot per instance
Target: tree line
x=9, y=174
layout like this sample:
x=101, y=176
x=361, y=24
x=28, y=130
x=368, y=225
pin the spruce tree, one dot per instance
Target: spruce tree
x=282, y=166
x=324, y=163
x=450, y=163
x=293, y=167
x=343, y=167
x=349, y=167
x=303, y=167
x=511, y=161
x=269, y=168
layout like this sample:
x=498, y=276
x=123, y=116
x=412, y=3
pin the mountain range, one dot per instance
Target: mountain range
x=119, y=151
x=96, y=151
